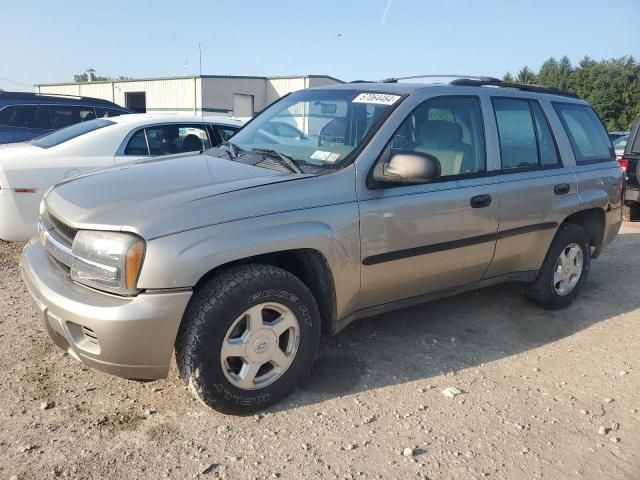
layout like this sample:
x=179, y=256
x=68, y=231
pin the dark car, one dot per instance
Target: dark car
x=630, y=162
x=25, y=115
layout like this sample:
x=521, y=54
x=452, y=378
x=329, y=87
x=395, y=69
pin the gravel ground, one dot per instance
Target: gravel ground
x=551, y=395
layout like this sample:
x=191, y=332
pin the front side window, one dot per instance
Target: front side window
x=168, y=139
x=60, y=136
x=448, y=128
x=225, y=132
x=317, y=128
x=587, y=135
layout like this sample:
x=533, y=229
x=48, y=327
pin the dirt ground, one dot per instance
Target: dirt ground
x=553, y=395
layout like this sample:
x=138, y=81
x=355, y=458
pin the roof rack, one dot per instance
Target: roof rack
x=32, y=95
x=472, y=82
x=466, y=77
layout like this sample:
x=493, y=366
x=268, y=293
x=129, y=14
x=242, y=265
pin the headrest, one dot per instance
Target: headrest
x=440, y=133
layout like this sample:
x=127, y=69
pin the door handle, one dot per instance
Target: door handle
x=480, y=201
x=562, y=189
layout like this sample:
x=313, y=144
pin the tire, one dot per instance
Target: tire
x=543, y=290
x=631, y=212
x=213, y=311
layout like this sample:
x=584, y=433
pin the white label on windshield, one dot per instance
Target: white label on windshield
x=333, y=157
x=320, y=155
x=377, y=98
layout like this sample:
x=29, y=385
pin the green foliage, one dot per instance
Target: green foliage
x=611, y=86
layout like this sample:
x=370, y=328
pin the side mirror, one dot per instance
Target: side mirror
x=408, y=168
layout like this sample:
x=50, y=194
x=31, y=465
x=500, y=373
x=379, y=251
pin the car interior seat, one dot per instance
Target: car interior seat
x=192, y=143
x=443, y=140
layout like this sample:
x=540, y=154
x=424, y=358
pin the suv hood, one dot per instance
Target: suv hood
x=156, y=197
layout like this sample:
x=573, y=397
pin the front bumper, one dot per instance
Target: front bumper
x=131, y=337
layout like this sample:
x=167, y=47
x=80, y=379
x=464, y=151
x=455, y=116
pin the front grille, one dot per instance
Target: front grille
x=65, y=231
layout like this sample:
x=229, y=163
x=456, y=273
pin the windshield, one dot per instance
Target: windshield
x=316, y=127
x=60, y=136
x=621, y=142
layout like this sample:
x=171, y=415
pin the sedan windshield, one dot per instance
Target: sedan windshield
x=320, y=128
x=65, y=134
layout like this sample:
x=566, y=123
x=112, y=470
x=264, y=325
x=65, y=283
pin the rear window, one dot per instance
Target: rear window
x=588, y=137
x=68, y=133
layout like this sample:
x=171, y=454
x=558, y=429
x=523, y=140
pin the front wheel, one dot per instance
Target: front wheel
x=564, y=270
x=248, y=337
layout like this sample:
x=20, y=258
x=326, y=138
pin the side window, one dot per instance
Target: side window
x=20, y=116
x=450, y=129
x=588, y=137
x=225, y=132
x=168, y=139
x=546, y=143
x=102, y=112
x=42, y=119
x=63, y=116
x=518, y=146
x=137, y=144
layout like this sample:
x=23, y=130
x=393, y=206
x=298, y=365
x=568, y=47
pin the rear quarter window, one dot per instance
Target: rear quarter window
x=588, y=137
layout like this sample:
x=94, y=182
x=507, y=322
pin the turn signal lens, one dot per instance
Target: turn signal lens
x=133, y=263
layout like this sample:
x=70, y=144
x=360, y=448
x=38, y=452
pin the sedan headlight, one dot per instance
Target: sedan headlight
x=107, y=261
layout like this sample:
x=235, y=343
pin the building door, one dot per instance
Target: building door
x=136, y=101
x=242, y=105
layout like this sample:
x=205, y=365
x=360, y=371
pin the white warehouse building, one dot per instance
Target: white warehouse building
x=239, y=96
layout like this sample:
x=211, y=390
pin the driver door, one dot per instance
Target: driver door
x=419, y=239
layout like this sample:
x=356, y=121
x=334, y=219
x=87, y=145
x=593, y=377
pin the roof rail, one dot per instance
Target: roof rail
x=469, y=77
x=32, y=95
x=470, y=82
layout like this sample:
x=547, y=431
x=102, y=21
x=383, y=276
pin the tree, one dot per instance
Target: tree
x=526, y=75
x=508, y=78
x=611, y=86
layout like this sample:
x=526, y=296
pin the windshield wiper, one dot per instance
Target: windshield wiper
x=234, y=150
x=284, y=159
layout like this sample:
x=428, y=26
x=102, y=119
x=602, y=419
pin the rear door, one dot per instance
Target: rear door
x=418, y=239
x=533, y=185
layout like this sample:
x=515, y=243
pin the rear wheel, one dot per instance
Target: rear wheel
x=564, y=270
x=248, y=337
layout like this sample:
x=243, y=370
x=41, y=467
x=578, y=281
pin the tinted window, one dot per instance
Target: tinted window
x=586, y=133
x=56, y=138
x=635, y=148
x=18, y=116
x=137, y=145
x=168, y=139
x=102, y=112
x=225, y=132
x=546, y=143
x=63, y=116
x=518, y=147
x=450, y=129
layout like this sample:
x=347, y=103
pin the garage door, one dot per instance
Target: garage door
x=242, y=105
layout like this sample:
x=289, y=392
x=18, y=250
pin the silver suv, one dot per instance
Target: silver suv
x=392, y=194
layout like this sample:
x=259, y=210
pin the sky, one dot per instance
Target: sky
x=44, y=41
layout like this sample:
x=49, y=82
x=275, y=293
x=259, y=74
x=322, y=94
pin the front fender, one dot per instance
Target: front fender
x=181, y=260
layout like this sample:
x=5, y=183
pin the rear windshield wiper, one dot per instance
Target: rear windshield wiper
x=234, y=150
x=284, y=159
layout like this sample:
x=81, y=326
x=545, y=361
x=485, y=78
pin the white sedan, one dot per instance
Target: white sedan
x=28, y=169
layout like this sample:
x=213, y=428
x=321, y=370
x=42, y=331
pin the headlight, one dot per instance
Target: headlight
x=107, y=261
